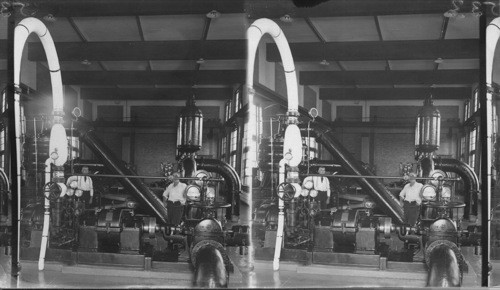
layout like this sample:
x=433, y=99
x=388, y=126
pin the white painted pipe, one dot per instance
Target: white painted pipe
x=281, y=217
x=492, y=37
x=46, y=216
x=58, y=140
x=254, y=34
x=292, y=143
x=22, y=31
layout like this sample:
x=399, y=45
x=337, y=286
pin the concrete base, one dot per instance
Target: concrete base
x=351, y=268
x=105, y=265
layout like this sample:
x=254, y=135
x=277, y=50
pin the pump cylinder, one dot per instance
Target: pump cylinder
x=190, y=128
x=428, y=128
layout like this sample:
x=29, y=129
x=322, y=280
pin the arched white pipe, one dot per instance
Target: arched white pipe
x=21, y=33
x=254, y=34
x=292, y=140
x=492, y=37
x=292, y=143
x=58, y=141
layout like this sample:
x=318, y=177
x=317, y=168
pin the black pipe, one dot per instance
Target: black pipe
x=469, y=177
x=232, y=180
x=427, y=165
x=444, y=267
x=4, y=194
x=135, y=186
x=384, y=199
x=210, y=269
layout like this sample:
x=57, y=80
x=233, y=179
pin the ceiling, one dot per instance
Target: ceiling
x=371, y=46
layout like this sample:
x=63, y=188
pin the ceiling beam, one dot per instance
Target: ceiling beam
x=142, y=50
x=204, y=77
x=394, y=93
x=155, y=94
x=254, y=8
x=380, y=50
x=418, y=77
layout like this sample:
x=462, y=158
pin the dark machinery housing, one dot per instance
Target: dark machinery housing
x=130, y=225
x=364, y=223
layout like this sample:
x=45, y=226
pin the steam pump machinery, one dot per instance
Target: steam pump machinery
x=133, y=227
x=368, y=227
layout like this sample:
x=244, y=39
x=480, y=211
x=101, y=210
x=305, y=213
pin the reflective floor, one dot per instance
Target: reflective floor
x=293, y=275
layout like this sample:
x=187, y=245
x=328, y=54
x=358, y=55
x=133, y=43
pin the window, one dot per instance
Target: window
x=223, y=149
x=476, y=101
x=227, y=111
x=472, y=147
x=233, y=147
x=3, y=140
x=251, y=138
x=466, y=110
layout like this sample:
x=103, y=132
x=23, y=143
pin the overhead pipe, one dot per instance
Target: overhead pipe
x=58, y=142
x=468, y=176
x=230, y=176
x=292, y=144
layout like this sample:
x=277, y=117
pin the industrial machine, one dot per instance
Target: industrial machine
x=131, y=226
x=364, y=227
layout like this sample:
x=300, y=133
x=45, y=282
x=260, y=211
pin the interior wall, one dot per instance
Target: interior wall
x=147, y=147
x=381, y=146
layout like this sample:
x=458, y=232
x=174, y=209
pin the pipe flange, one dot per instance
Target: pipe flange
x=452, y=246
x=385, y=226
x=493, y=89
x=209, y=243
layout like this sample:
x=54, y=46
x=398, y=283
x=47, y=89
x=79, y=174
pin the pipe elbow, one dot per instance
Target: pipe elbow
x=265, y=25
x=492, y=36
x=444, y=267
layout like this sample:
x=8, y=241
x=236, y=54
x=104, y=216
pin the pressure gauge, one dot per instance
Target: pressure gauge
x=70, y=192
x=210, y=195
x=193, y=193
x=446, y=193
x=369, y=204
x=78, y=192
x=73, y=184
x=308, y=184
x=313, y=193
x=200, y=174
x=437, y=174
x=428, y=192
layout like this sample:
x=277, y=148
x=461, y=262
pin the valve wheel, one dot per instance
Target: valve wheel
x=288, y=191
x=52, y=191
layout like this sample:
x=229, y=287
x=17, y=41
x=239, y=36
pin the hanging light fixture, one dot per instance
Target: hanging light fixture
x=286, y=18
x=213, y=14
x=190, y=128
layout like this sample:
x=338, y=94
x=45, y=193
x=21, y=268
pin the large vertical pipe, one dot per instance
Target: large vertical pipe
x=292, y=145
x=58, y=141
x=492, y=36
x=469, y=177
x=230, y=176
